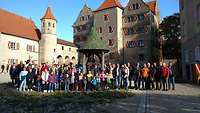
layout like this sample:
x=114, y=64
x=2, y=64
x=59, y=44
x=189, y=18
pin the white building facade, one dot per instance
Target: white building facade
x=21, y=40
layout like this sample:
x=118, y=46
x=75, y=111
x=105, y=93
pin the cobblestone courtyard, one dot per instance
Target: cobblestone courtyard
x=185, y=99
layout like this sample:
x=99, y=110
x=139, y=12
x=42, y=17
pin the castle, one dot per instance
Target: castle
x=21, y=40
x=130, y=32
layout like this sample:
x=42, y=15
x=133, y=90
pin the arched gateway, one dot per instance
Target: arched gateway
x=93, y=48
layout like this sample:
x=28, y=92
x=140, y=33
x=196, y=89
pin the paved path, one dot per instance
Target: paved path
x=185, y=99
x=4, y=78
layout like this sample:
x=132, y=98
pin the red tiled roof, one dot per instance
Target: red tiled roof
x=152, y=6
x=109, y=4
x=48, y=14
x=13, y=24
x=64, y=42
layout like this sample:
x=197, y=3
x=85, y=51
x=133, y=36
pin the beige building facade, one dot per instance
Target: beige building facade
x=113, y=21
x=140, y=22
x=21, y=41
x=190, y=40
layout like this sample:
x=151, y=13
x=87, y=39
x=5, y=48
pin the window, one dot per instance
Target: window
x=13, y=45
x=105, y=17
x=110, y=29
x=70, y=49
x=78, y=29
x=198, y=14
x=101, y=38
x=63, y=48
x=130, y=18
x=43, y=24
x=30, y=48
x=54, y=50
x=141, y=17
x=136, y=6
x=82, y=18
x=49, y=24
x=141, y=43
x=197, y=53
x=33, y=48
x=53, y=25
x=88, y=16
x=110, y=42
x=100, y=29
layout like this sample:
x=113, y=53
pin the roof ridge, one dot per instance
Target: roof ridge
x=9, y=12
x=109, y=4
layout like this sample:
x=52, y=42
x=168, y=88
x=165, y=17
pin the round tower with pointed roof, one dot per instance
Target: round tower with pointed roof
x=48, y=40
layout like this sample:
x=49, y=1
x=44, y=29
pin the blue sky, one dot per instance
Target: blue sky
x=66, y=11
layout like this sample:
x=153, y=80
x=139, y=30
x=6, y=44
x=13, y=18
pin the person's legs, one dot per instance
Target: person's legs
x=167, y=82
x=21, y=84
x=163, y=82
x=24, y=85
x=173, y=83
x=49, y=89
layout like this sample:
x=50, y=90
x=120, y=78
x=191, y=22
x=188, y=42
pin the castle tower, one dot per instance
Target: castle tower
x=48, y=39
x=108, y=23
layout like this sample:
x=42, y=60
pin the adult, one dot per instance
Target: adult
x=20, y=68
x=13, y=74
x=45, y=76
x=2, y=68
x=126, y=76
x=165, y=75
x=7, y=67
x=171, y=80
x=145, y=74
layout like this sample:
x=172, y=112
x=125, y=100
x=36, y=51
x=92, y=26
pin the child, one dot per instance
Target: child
x=94, y=84
x=67, y=82
x=51, y=80
x=102, y=79
x=89, y=79
x=39, y=83
x=80, y=82
x=30, y=79
x=85, y=82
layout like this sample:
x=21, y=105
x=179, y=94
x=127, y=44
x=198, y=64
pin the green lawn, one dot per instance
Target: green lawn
x=12, y=101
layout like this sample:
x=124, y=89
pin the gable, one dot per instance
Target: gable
x=129, y=9
x=84, y=13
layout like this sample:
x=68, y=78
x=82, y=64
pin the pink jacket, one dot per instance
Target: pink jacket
x=52, y=79
x=102, y=76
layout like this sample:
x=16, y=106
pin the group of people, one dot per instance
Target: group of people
x=71, y=77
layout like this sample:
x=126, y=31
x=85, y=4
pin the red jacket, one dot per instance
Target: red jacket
x=165, y=72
